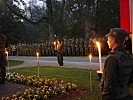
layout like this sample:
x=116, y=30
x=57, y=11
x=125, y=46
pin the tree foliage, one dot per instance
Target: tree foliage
x=10, y=24
x=107, y=15
x=70, y=18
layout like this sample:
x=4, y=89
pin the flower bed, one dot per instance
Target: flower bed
x=41, y=88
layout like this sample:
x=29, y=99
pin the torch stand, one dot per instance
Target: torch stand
x=99, y=74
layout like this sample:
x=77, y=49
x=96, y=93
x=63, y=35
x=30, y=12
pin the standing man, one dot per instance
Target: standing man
x=118, y=69
x=3, y=61
x=59, y=52
x=128, y=44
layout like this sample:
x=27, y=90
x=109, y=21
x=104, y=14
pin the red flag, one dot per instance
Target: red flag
x=125, y=15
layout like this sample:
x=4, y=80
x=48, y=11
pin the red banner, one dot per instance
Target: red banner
x=125, y=15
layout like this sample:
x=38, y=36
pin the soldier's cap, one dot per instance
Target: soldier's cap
x=118, y=33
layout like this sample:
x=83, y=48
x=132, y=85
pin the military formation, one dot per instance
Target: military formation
x=71, y=47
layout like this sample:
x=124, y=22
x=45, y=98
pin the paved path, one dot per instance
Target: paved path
x=69, y=62
x=8, y=89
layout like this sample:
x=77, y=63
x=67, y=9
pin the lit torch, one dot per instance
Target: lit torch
x=7, y=61
x=90, y=56
x=55, y=44
x=99, y=51
x=37, y=54
x=100, y=60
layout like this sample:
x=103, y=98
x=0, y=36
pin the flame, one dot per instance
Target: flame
x=90, y=56
x=98, y=44
x=37, y=53
x=6, y=52
x=54, y=43
x=99, y=51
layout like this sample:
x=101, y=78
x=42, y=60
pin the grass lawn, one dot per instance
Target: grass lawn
x=78, y=76
x=15, y=62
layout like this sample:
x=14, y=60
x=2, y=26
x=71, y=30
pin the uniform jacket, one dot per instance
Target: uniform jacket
x=117, y=74
x=3, y=42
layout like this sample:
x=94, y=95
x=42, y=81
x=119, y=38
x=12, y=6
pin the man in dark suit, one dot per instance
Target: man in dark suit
x=3, y=61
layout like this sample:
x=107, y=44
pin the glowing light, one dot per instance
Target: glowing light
x=37, y=54
x=54, y=43
x=90, y=56
x=6, y=52
x=7, y=61
x=99, y=52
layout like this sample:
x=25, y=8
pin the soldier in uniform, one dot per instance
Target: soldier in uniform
x=81, y=47
x=59, y=52
x=49, y=48
x=86, y=47
x=91, y=46
x=69, y=47
x=52, y=48
x=77, y=47
x=42, y=48
x=18, y=48
x=128, y=44
x=65, y=47
x=73, y=46
x=118, y=68
x=46, y=48
x=3, y=61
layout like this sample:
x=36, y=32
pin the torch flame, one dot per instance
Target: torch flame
x=37, y=53
x=99, y=51
x=54, y=43
x=90, y=56
x=98, y=44
x=6, y=52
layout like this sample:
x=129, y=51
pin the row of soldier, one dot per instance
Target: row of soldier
x=71, y=47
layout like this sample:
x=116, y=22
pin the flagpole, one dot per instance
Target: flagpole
x=131, y=20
